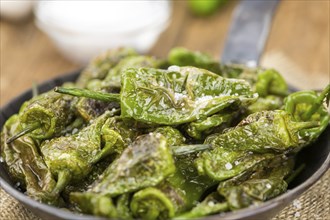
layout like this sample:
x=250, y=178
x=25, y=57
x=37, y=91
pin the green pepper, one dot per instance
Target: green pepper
x=85, y=183
x=307, y=106
x=46, y=115
x=26, y=166
x=152, y=203
x=100, y=66
x=123, y=207
x=266, y=131
x=269, y=102
x=178, y=193
x=215, y=123
x=270, y=82
x=187, y=180
x=240, y=194
x=172, y=98
x=89, y=108
x=265, y=81
x=180, y=56
x=113, y=78
x=212, y=204
x=146, y=162
x=223, y=163
x=91, y=203
x=172, y=135
x=70, y=158
x=231, y=192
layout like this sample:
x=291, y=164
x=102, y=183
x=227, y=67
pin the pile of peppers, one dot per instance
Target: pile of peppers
x=138, y=137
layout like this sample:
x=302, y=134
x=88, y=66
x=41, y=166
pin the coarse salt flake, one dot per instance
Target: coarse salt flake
x=228, y=166
x=174, y=68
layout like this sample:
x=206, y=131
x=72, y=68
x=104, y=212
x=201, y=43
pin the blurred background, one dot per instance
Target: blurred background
x=44, y=39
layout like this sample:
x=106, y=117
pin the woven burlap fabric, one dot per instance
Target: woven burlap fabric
x=313, y=204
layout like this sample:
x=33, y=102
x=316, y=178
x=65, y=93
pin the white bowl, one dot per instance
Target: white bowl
x=83, y=29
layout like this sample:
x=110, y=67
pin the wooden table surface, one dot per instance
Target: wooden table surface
x=298, y=45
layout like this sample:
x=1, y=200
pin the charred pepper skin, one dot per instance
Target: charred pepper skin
x=146, y=162
x=90, y=109
x=261, y=132
x=26, y=166
x=70, y=158
x=221, y=163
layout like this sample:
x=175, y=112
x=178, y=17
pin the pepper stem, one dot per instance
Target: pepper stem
x=325, y=94
x=63, y=179
x=25, y=131
x=295, y=173
x=297, y=126
x=102, y=96
x=188, y=149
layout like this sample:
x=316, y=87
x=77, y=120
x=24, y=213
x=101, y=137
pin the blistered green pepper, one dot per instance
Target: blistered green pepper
x=267, y=131
x=113, y=78
x=222, y=163
x=270, y=82
x=172, y=135
x=214, y=124
x=232, y=192
x=269, y=102
x=146, y=162
x=85, y=183
x=90, y=108
x=100, y=66
x=26, y=166
x=123, y=207
x=239, y=71
x=153, y=203
x=180, y=56
x=264, y=81
x=212, y=204
x=178, y=193
x=254, y=190
x=173, y=97
x=46, y=116
x=307, y=106
x=70, y=158
x=96, y=204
